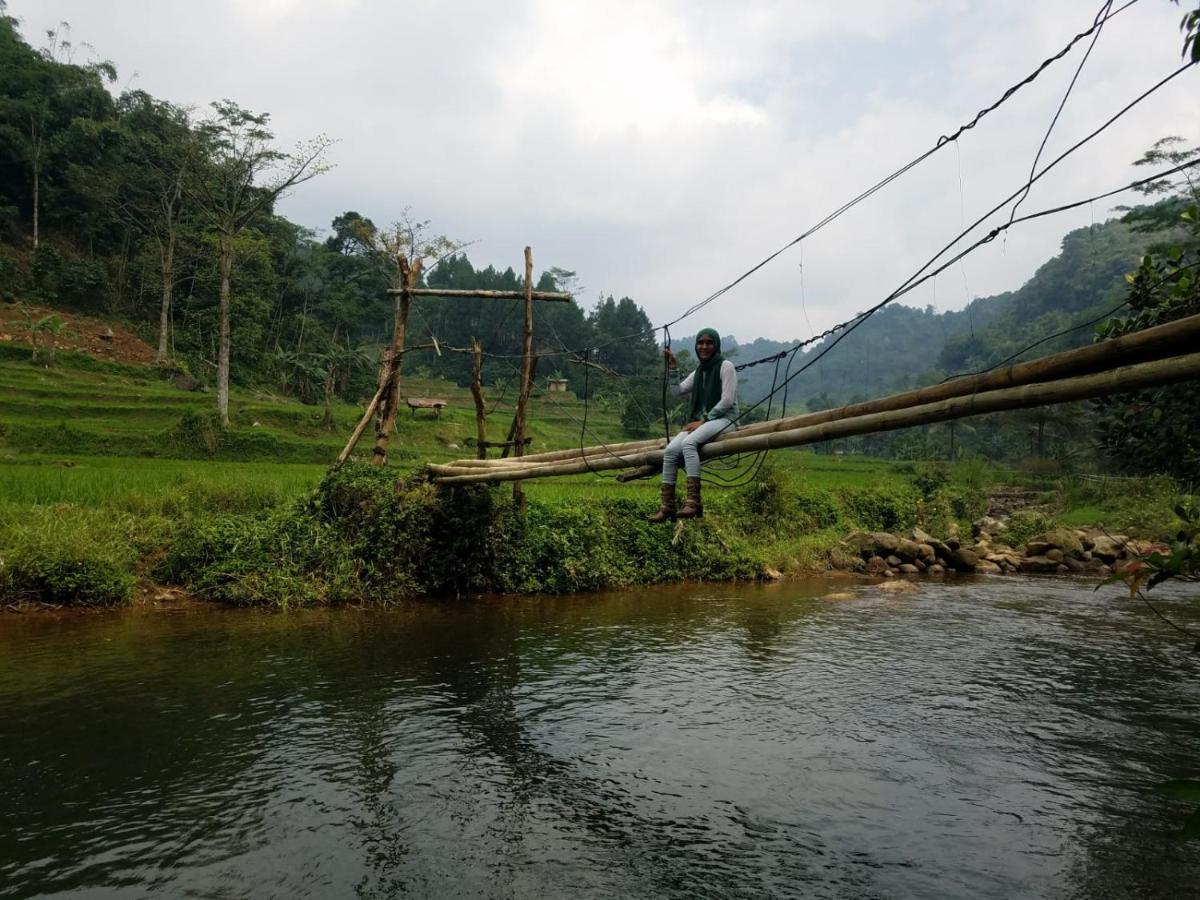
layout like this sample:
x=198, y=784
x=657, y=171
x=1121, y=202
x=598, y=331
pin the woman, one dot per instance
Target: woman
x=712, y=410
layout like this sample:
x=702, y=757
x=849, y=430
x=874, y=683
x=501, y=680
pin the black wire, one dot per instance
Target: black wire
x=915, y=281
x=908, y=285
x=1099, y=23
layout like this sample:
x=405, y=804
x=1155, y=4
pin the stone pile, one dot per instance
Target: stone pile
x=1086, y=551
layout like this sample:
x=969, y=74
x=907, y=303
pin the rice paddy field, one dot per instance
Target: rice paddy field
x=102, y=434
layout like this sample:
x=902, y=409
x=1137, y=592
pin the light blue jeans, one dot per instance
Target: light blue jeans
x=687, y=445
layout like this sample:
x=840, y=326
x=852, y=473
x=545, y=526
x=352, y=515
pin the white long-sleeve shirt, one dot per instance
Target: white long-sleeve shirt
x=726, y=407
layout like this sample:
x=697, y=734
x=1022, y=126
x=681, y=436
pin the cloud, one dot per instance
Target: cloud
x=661, y=149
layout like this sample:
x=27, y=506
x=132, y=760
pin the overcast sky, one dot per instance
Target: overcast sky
x=660, y=149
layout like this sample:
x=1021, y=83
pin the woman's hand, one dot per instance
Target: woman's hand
x=692, y=426
x=672, y=362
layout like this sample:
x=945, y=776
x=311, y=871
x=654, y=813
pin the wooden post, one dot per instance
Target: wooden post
x=477, y=394
x=527, y=367
x=390, y=400
x=387, y=397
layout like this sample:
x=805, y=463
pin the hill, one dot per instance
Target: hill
x=902, y=346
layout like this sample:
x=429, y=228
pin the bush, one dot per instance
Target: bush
x=1026, y=524
x=66, y=555
x=881, y=509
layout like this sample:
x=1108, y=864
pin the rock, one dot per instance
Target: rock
x=1096, y=567
x=844, y=560
x=963, y=560
x=988, y=524
x=908, y=550
x=1009, y=560
x=1075, y=566
x=920, y=565
x=927, y=553
x=876, y=566
x=860, y=542
x=885, y=543
x=185, y=383
x=983, y=548
x=922, y=537
x=984, y=567
x=1036, y=548
x=935, y=569
x=1085, y=540
x=107, y=335
x=1061, y=538
x=1055, y=554
x=1108, y=548
x=839, y=595
x=952, y=531
x=770, y=574
x=898, y=587
x=890, y=573
x=1038, y=564
x=1062, y=569
x=894, y=561
x=952, y=544
x=983, y=538
x=909, y=569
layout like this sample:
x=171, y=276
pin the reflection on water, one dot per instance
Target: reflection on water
x=993, y=739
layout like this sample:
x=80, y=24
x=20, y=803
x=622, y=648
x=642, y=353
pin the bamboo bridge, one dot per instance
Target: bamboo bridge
x=1162, y=355
x=1146, y=359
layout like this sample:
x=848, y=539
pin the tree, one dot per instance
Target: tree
x=1159, y=430
x=151, y=189
x=236, y=175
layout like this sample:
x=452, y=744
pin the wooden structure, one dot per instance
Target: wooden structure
x=415, y=403
x=556, y=385
x=383, y=405
x=1156, y=356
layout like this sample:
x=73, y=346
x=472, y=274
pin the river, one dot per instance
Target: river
x=994, y=738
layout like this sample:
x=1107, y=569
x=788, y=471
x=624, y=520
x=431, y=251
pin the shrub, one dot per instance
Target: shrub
x=66, y=555
x=881, y=508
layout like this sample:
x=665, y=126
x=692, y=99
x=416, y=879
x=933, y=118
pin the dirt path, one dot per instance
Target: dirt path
x=84, y=334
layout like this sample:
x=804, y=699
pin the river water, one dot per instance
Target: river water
x=994, y=738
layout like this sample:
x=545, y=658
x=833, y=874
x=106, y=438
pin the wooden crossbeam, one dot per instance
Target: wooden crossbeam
x=548, y=296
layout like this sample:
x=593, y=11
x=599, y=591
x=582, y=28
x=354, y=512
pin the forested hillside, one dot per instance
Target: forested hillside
x=902, y=346
x=129, y=207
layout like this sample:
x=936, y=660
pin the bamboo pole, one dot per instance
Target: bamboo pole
x=477, y=395
x=1142, y=345
x=367, y=416
x=390, y=401
x=1113, y=381
x=527, y=363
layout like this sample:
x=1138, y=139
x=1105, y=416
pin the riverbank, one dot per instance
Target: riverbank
x=254, y=536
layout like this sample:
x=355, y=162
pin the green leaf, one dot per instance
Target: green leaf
x=1180, y=789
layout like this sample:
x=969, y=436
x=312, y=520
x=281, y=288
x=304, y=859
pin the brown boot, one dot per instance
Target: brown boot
x=692, y=508
x=666, y=508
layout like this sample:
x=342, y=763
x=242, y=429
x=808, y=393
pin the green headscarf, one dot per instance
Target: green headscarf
x=706, y=386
